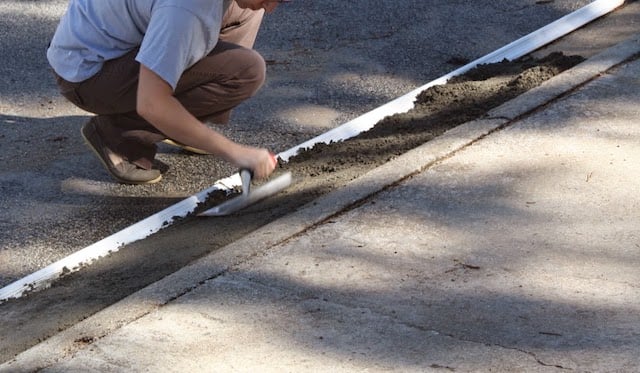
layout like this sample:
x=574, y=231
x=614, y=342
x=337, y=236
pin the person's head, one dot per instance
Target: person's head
x=267, y=5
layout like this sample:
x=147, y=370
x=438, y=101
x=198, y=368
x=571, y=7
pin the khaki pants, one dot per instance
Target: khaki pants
x=230, y=74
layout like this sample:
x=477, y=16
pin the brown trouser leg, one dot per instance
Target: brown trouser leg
x=230, y=74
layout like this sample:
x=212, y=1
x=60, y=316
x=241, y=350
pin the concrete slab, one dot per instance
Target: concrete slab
x=273, y=331
x=527, y=239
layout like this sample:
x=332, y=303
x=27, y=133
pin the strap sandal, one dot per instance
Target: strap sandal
x=124, y=172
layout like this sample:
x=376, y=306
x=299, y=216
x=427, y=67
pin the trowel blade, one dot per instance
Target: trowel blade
x=256, y=194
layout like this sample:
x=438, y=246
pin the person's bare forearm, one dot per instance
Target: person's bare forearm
x=172, y=119
x=159, y=107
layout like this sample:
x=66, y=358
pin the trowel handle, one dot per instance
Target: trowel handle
x=245, y=176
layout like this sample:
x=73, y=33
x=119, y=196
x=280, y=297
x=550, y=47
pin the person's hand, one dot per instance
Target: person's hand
x=261, y=162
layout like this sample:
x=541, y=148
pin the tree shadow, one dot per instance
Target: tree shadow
x=315, y=71
x=57, y=198
x=433, y=272
x=428, y=274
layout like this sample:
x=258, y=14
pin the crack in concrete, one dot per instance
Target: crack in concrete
x=533, y=355
x=394, y=318
x=452, y=336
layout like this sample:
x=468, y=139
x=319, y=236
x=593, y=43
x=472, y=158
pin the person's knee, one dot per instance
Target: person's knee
x=221, y=81
x=254, y=72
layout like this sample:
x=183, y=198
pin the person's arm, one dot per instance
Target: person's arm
x=156, y=104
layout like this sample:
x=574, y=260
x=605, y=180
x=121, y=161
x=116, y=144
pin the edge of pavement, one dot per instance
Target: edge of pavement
x=315, y=213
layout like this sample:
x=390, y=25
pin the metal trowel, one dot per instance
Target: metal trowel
x=248, y=195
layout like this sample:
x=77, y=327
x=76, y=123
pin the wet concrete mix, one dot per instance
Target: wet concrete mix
x=317, y=171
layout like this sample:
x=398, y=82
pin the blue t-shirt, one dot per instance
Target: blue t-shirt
x=172, y=35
